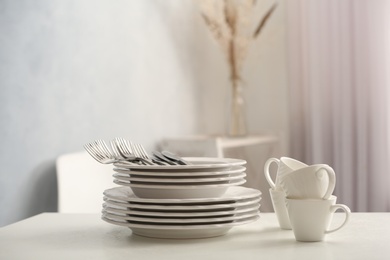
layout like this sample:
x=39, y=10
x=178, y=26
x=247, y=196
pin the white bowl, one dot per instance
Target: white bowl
x=173, y=180
x=180, y=191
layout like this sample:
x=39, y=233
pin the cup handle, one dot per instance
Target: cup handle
x=347, y=212
x=332, y=181
x=266, y=171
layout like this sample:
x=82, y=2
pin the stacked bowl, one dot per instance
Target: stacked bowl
x=202, y=199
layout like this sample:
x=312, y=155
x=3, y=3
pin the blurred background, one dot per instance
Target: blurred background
x=74, y=71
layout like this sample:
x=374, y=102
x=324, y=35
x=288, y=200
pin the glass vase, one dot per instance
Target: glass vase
x=237, y=114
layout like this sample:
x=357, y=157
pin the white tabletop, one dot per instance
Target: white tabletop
x=86, y=236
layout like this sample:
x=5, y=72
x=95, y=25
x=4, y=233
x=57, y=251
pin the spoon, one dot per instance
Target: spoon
x=174, y=158
x=160, y=157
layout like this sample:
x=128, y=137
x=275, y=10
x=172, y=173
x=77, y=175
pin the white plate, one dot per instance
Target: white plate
x=180, y=191
x=180, y=221
x=197, y=163
x=233, y=194
x=176, y=174
x=179, y=181
x=183, y=207
x=134, y=212
x=179, y=185
x=181, y=232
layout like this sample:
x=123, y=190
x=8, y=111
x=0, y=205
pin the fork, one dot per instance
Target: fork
x=115, y=149
x=140, y=151
x=127, y=149
x=99, y=150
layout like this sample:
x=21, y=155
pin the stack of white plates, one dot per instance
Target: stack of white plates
x=181, y=218
x=203, y=178
x=202, y=199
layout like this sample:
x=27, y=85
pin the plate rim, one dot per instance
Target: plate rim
x=180, y=187
x=237, y=210
x=184, y=227
x=215, y=163
x=186, y=207
x=182, y=221
x=235, y=170
x=184, y=180
x=227, y=196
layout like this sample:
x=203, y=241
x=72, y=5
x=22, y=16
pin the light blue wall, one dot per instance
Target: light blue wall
x=75, y=71
x=72, y=71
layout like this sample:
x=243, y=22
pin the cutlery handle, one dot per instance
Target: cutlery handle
x=174, y=157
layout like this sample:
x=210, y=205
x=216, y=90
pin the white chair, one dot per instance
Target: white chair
x=81, y=182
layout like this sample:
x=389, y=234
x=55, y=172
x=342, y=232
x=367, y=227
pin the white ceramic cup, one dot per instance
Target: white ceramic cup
x=278, y=199
x=312, y=182
x=285, y=166
x=310, y=219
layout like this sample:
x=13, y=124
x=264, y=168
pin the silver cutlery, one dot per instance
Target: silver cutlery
x=174, y=158
x=115, y=150
x=159, y=157
x=125, y=151
x=99, y=150
x=128, y=149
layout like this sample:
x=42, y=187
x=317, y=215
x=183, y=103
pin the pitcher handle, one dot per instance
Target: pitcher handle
x=267, y=173
x=347, y=212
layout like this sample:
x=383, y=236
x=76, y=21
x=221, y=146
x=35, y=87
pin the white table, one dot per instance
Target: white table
x=86, y=236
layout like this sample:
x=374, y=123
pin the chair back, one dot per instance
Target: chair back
x=81, y=182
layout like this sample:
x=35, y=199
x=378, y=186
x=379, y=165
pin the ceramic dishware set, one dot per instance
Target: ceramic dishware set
x=198, y=200
x=166, y=196
x=302, y=198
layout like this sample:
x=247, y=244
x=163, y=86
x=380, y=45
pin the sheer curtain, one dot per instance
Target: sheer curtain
x=339, y=53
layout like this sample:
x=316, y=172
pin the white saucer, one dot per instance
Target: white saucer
x=180, y=221
x=233, y=194
x=179, y=181
x=183, y=207
x=181, y=232
x=187, y=214
x=185, y=174
x=197, y=163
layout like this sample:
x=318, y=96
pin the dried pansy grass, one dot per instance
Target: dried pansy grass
x=230, y=22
